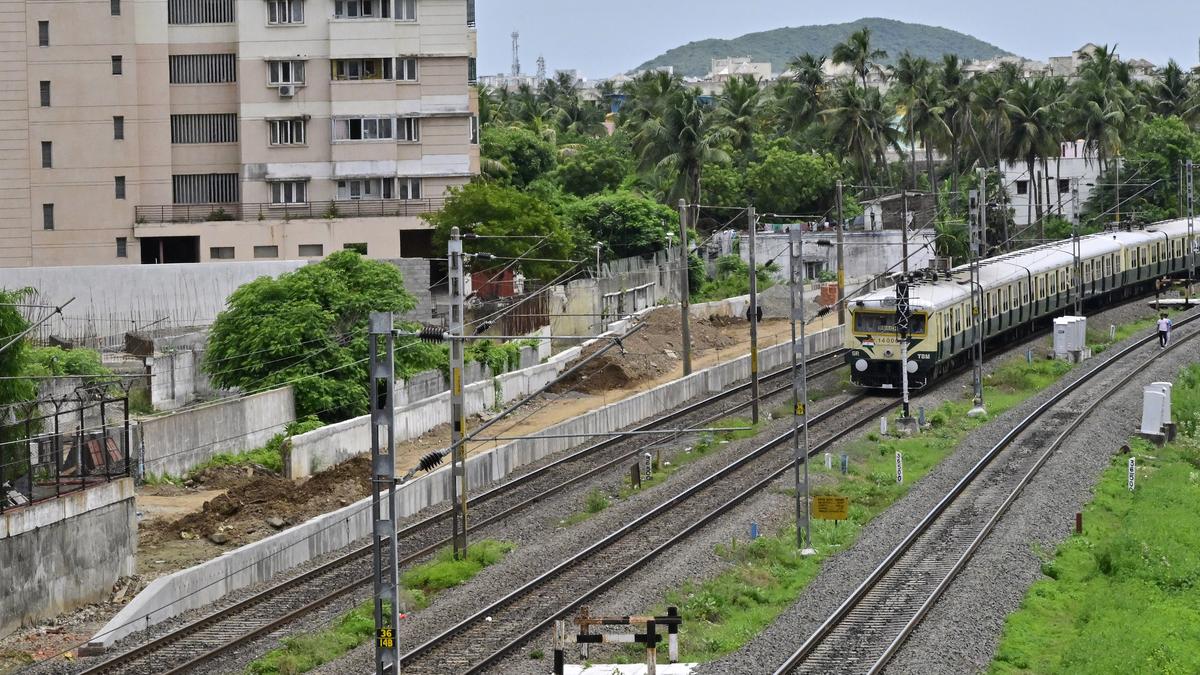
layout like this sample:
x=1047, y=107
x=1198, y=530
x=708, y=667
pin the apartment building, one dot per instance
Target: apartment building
x=173, y=131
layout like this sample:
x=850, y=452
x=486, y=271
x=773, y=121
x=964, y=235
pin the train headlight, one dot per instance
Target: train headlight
x=861, y=365
x=911, y=367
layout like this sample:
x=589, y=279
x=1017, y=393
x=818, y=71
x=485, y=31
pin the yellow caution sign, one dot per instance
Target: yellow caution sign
x=800, y=409
x=828, y=507
x=386, y=637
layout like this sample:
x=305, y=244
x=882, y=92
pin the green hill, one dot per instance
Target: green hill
x=782, y=44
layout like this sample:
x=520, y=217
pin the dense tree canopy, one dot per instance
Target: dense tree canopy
x=624, y=223
x=522, y=154
x=309, y=328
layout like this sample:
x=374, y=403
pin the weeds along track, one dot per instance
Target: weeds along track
x=866, y=630
x=207, y=639
x=490, y=634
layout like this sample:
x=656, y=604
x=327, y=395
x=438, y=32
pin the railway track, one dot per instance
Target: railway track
x=865, y=631
x=209, y=638
x=487, y=636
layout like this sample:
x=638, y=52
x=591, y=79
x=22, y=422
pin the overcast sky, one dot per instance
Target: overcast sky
x=603, y=37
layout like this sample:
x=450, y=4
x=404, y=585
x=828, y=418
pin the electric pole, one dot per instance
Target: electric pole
x=383, y=493
x=841, y=260
x=903, y=314
x=799, y=391
x=983, y=204
x=1191, y=219
x=684, y=299
x=751, y=221
x=903, y=230
x=458, y=418
x=977, y=324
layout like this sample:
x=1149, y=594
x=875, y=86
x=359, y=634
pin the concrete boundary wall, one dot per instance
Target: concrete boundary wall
x=233, y=425
x=66, y=552
x=258, y=562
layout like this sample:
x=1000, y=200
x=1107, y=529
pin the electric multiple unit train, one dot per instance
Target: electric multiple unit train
x=1020, y=291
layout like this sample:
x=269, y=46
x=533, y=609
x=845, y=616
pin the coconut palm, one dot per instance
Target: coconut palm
x=679, y=141
x=857, y=53
x=1104, y=103
x=1172, y=93
x=911, y=77
x=798, y=94
x=956, y=90
x=737, y=111
x=1031, y=135
x=860, y=124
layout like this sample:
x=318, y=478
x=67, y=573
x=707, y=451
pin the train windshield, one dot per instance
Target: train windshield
x=885, y=322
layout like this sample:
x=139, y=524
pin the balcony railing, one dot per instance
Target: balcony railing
x=350, y=208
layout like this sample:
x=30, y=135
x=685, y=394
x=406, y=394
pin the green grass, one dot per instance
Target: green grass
x=723, y=614
x=1099, y=341
x=1123, y=597
x=304, y=653
x=596, y=502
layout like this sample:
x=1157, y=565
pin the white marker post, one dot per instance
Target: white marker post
x=1132, y=473
x=899, y=468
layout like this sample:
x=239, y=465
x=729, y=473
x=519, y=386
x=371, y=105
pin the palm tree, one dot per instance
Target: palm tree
x=798, y=94
x=1031, y=136
x=738, y=112
x=858, y=121
x=857, y=52
x=956, y=90
x=911, y=76
x=1171, y=93
x=680, y=140
x=1104, y=103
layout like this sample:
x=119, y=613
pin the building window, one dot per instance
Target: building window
x=408, y=129
x=470, y=13
x=362, y=69
x=409, y=188
x=184, y=12
x=266, y=251
x=406, y=68
x=285, y=72
x=116, y=64
x=287, y=132
x=44, y=89
x=285, y=11
x=360, y=9
x=122, y=247
x=360, y=249
x=406, y=10
x=203, y=68
x=220, y=252
x=365, y=188
x=312, y=250
x=119, y=186
x=204, y=128
x=1064, y=186
x=205, y=188
x=47, y=154
x=474, y=131
x=43, y=33
x=114, y=7
x=47, y=216
x=289, y=192
x=472, y=70
x=362, y=129
x=118, y=127
x=1022, y=187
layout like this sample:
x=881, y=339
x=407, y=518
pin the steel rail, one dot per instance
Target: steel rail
x=247, y=604
x=840, y=614
x=640, y=522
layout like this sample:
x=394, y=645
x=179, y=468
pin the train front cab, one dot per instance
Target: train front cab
x=873, y=350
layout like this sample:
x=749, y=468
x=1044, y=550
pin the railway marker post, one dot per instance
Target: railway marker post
x=899, y=468
x=383, y=491
x=1132, y=473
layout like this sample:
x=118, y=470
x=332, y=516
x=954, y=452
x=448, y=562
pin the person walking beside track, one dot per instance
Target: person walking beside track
x=1164, y=331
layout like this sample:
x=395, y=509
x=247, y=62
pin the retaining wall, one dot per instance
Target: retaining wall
x=178, y=442
x=60, y=554
x=257, y=562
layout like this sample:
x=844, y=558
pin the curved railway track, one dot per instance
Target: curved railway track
x=487, y=636
x=866, y=630
x=208, y=638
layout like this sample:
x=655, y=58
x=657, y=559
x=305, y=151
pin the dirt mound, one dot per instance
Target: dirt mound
x=651, y=352
x=250, y=505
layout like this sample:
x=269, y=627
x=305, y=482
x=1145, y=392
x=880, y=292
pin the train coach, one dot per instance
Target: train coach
x=1020, y=292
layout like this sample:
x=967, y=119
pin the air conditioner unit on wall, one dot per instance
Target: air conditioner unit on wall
x=287, y=90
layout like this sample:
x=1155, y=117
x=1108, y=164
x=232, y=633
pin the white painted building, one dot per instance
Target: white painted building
x=1067, y=183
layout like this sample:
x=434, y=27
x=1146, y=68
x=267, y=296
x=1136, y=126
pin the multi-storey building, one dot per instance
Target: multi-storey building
x=195, y=130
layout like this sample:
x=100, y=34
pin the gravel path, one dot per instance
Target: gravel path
x=962, y=631
x=842, y=572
